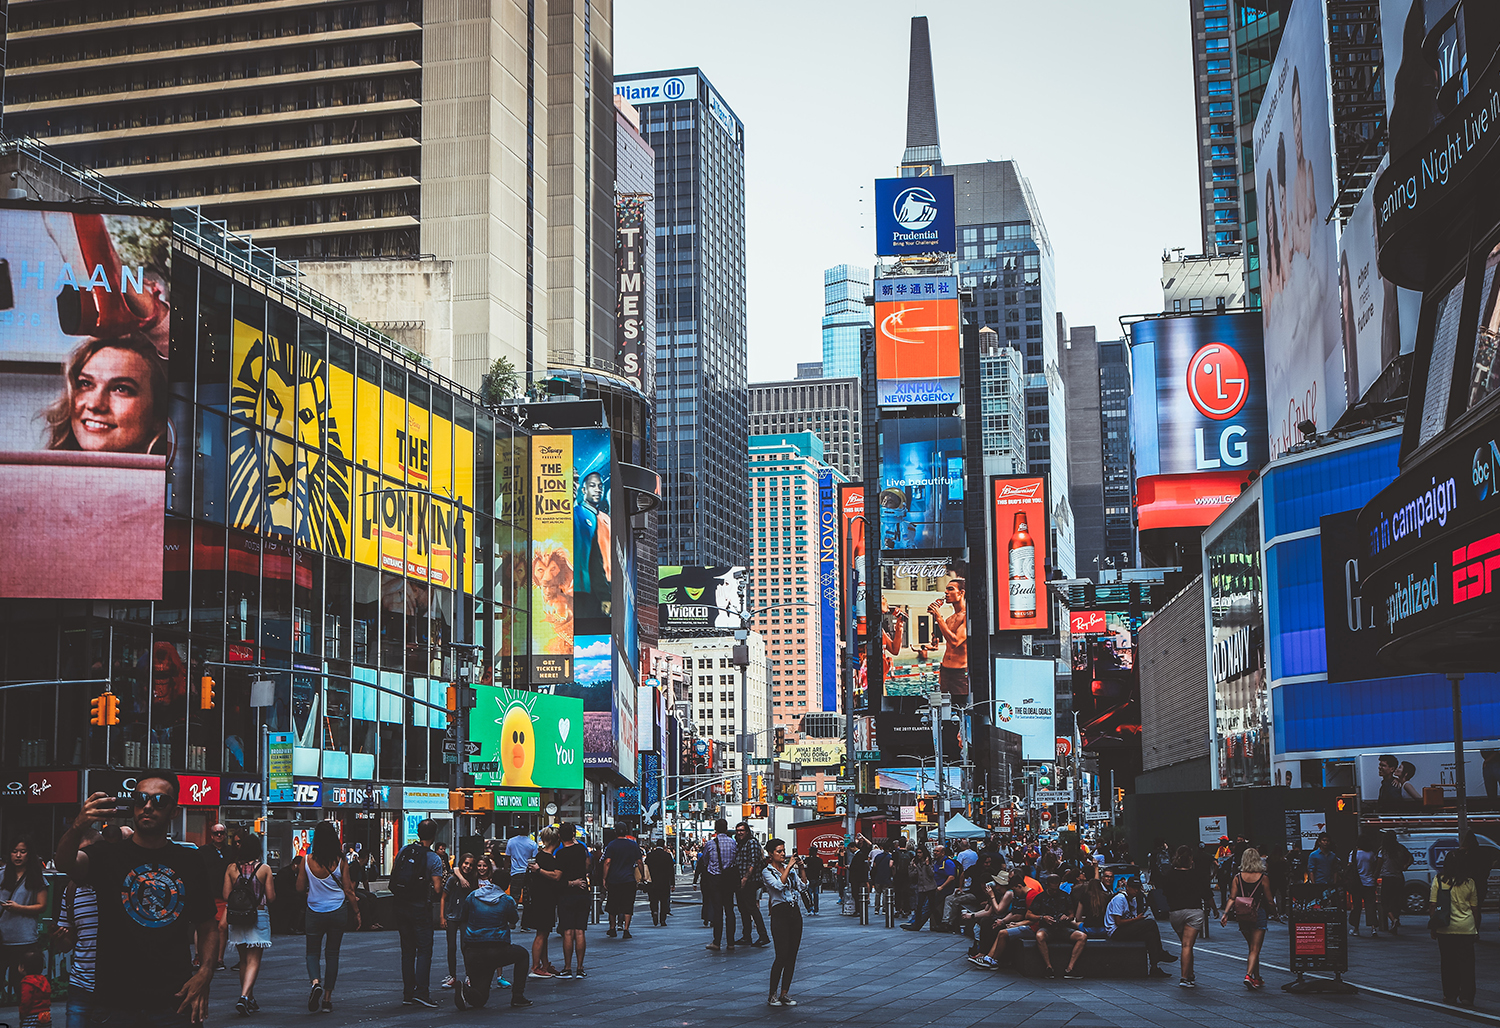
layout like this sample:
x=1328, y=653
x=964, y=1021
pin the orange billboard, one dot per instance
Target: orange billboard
x=917, y=341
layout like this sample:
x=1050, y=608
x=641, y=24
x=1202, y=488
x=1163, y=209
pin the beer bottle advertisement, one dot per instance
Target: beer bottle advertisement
x=1019, y=521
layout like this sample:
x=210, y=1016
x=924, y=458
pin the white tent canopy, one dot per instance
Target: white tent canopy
x=960, y=827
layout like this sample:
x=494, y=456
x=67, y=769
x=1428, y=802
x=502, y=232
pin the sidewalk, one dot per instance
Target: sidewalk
x=1406, y=964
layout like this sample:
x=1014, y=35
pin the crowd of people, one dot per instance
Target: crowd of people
x=147, y=919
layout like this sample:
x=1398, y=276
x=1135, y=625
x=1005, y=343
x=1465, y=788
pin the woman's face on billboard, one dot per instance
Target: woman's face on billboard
x=113, y=409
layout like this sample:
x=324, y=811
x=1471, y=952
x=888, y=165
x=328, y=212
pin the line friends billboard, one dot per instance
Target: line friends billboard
x=917, y=341
x=87, y=420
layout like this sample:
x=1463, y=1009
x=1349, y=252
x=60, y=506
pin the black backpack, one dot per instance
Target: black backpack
x=408, y=876
x=242, y=906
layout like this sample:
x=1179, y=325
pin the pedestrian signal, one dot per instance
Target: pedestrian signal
x=206, y=693
x=926, y=808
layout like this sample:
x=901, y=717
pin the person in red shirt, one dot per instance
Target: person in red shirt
x=36, y=991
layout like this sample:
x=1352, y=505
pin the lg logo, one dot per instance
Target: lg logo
x=1218, y=384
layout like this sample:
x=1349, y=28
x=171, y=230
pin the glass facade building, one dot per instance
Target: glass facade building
x=845, y=319
x=701, y=407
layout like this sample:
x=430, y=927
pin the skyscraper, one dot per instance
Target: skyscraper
x=845, y=318
x=1002, y=405
x=701, y=424
x=784, y=574
x=1096, y=376
x=827, y=407
x=480, y=134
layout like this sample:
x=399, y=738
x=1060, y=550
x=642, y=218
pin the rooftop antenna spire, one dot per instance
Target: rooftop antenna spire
x=923, y=154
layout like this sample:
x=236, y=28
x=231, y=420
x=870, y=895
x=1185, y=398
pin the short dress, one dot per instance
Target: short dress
x=258, y=935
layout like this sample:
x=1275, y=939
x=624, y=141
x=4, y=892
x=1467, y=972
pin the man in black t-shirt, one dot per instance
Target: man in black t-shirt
x=155, y=898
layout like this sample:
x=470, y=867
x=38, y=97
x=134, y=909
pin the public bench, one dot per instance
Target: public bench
x=1101, y=958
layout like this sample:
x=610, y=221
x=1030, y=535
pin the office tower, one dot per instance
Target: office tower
x=701, y=423
x=1002, y=405
x=1217, y=90
x=714, y=689
x=379, y=130
x=1096, y=377
x=827, y=407
x=923, y=154
x=810, y=369
x=785, y=568
x=1199, y=283
x=845, y=319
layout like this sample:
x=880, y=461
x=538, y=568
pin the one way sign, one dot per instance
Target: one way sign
x=471, y=747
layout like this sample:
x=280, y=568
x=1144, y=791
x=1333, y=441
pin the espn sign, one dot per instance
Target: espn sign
x=1087, y=622
x=1474, y=568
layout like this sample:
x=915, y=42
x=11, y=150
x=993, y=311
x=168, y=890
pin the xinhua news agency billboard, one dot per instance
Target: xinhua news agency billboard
x=914, y=215
x=917, y=349
x=85, y=320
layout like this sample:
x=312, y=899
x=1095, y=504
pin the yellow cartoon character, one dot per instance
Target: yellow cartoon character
x=517, y=748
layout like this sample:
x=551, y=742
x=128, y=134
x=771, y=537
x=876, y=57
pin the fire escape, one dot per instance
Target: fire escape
x=1358, y=80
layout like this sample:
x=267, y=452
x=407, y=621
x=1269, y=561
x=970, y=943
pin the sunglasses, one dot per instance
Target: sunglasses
x=155, y=799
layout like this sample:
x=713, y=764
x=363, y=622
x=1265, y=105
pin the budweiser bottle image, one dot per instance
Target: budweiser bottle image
x=1022, y=571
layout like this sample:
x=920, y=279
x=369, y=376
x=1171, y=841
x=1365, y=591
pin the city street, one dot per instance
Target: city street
x=870, y=975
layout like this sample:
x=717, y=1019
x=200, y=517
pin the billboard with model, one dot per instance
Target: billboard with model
x=925, y=627
x=1294, y=175
x=921, y=484
x=1377, y=320
x=86, y=429
x=916, y=341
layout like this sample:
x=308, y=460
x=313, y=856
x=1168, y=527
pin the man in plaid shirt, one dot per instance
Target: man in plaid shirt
x=749, y=859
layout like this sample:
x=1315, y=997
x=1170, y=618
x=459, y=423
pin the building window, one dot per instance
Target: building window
x=1216, y=24
x=1216, y=45
x=1220, y=87
x=1223, y=109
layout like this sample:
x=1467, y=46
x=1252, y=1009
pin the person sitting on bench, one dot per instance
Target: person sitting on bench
x=1126, y=919
x=1051, y=915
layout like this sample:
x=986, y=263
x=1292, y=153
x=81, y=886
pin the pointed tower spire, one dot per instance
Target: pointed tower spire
x=923, y=155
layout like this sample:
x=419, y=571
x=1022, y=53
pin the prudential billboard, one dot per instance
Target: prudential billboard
x=914, y=215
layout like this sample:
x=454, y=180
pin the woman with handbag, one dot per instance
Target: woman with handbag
x=1250, y=905
x=783, y=885
x=1454, y=903
x=248, y=892
x=332, y=909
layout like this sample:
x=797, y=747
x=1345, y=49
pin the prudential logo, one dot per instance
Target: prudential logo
x=673, y=89
x=915, y=208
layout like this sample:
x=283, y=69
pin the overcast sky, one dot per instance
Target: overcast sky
x=1093, y=98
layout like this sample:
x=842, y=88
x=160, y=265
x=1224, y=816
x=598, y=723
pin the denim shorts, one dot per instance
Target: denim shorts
x=1253, y=924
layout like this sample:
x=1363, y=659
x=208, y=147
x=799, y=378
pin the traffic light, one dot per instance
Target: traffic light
x=260, y=826
x=471, y=799
x=1347, y=802
x=206, y=695
x=757, y=810
x=780, y=738
x=926, y=808
x=1120, y=798
x=760, y=788
x=1044, y=782
x=106, y=708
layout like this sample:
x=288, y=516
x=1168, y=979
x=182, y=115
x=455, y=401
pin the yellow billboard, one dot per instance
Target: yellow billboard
x=343, y=466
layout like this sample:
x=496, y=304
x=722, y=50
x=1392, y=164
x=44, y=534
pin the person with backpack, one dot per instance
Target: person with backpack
x=1251, y=905
x=1452, y=925
x=248, y=890
x=416, y=877
x=331, y=910
x=1394, y=860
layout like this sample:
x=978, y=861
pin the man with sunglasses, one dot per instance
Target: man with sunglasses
x=155, y=898
x=217, y=855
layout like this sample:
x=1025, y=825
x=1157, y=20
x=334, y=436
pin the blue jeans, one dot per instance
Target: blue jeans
x=926, y=909
x=79, y=1002
x=817, y=891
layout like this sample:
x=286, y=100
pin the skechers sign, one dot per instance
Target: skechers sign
x=1207, y=410
x=659, y=90
x=914, y=215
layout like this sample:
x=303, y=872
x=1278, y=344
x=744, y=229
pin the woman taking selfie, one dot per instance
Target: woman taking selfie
x=783, y=882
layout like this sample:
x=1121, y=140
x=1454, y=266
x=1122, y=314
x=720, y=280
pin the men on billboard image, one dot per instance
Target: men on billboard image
x=1299, y=258
x=921, y=484
x=592, y=547
x=925, y=630
x=85, y=323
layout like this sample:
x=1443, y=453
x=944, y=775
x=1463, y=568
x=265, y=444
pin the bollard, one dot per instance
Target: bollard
x=890, y=908
x=863, y=899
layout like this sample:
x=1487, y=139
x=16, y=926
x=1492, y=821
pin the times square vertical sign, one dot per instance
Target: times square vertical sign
x=630, y=286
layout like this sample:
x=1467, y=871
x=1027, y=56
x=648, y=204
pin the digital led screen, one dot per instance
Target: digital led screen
x=1022, y=531
x=921, y=496
x=917, y=341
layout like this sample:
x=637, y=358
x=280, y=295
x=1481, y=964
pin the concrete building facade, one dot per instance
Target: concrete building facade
x=829, y=408
x=480, y=134
x=714, y=687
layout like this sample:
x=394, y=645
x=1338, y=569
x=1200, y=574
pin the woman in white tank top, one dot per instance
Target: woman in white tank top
x=331, y=909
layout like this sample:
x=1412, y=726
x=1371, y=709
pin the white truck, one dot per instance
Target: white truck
x=1428, y=850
